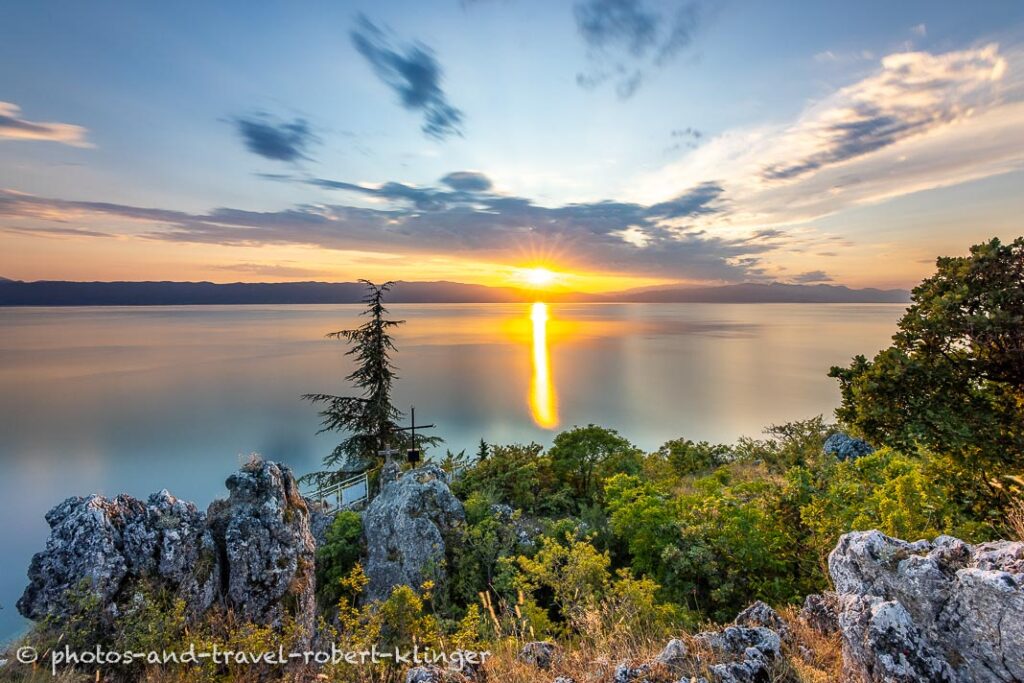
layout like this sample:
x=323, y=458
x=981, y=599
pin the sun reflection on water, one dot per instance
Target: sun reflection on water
x=543, y=402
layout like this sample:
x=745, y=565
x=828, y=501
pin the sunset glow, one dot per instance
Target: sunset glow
x=539, y=277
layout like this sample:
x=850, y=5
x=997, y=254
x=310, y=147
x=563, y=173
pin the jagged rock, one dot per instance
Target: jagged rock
x=881, y=643
x=540, y=653
x=406, y=528
x=564, y=679
x=821, y=612
x=753, y=668
x=674, y=656
x=941, y=609
x=424, y=674
x=845, y=447
x=263, y=528
x=624, y=673
x=736, y=640
x=103, y=547
x=760, y=614
x=320, y=520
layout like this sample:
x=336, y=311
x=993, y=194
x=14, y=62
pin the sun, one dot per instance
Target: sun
x=538, y=277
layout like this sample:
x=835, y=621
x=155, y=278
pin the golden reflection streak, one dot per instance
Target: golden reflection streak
x=543, y=402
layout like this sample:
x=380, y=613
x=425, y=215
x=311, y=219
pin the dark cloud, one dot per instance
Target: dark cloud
x=811, y=277
x=467, y=181
x=415, y=76
x=604, y=235
x=625, y=37
x=278, y=141
x=685, y=137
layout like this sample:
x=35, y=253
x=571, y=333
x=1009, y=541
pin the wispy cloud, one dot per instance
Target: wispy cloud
x=268, y=269
x=919, y=122
x=276, y=140
x=14, y=127
x=624, y=38
x=414, y=74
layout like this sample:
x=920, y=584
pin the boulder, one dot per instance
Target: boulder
x=540, y=653
x=624, y=673
x=103, y=548
x=753, y=668
x=407, y=527
x=674, y=656
x=263, y=529
x=760, y=614
x=939, y=610
x=736, y=640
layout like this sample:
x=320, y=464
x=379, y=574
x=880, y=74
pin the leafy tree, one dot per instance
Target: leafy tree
x=953, y=379
x=583, y=457
x=688, y=457
x=336, y=558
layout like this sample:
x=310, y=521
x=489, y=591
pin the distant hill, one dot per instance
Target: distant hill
x=773, y=293
x=63, y=293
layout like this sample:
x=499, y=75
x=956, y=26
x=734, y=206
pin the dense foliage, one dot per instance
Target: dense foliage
x=953, y=379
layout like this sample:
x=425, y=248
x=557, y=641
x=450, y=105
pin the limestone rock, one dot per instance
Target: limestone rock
x=263, y=528
x=406, y=528
x=760, y=614
x=252, y=552
x=736, y=640
x=821, y=612
x=540, y=653
x=674, y=656
x=942, y=610
x=881, y=643
x=105, y=546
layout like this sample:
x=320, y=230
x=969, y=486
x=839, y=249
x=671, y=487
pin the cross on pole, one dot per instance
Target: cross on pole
x=413, y=454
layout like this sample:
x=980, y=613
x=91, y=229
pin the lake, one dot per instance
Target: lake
x=112, y=400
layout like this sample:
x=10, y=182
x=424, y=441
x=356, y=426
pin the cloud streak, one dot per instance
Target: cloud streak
x=14, y=127
x=920, y=121
x=414, y=74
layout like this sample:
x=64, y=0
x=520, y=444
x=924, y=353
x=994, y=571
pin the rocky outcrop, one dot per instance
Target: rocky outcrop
x=252, y=552
x=821, y=612
x=263, y=532
x=407, y=527
x=100, y=550
x=929, y=611
x=845, y=447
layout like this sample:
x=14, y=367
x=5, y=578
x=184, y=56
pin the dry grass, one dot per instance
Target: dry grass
x=1015, y=518
x=809, y=657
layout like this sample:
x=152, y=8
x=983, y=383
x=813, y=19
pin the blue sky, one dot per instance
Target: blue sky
x=620, y=142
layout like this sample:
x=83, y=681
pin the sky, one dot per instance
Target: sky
x=617, y=143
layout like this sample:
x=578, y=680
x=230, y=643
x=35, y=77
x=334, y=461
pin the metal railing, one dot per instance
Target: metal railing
x=343, y=494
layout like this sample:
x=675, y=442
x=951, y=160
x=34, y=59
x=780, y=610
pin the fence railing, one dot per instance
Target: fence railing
x=342, y=494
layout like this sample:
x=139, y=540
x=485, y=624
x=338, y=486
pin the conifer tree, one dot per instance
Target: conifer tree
x=370, y=418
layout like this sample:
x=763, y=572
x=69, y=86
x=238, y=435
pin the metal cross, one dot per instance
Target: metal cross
x=412, y=428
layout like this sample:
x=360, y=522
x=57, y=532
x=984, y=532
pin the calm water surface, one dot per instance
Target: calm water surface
x=113, y=400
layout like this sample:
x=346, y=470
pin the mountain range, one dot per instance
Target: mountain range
x=66, y=293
